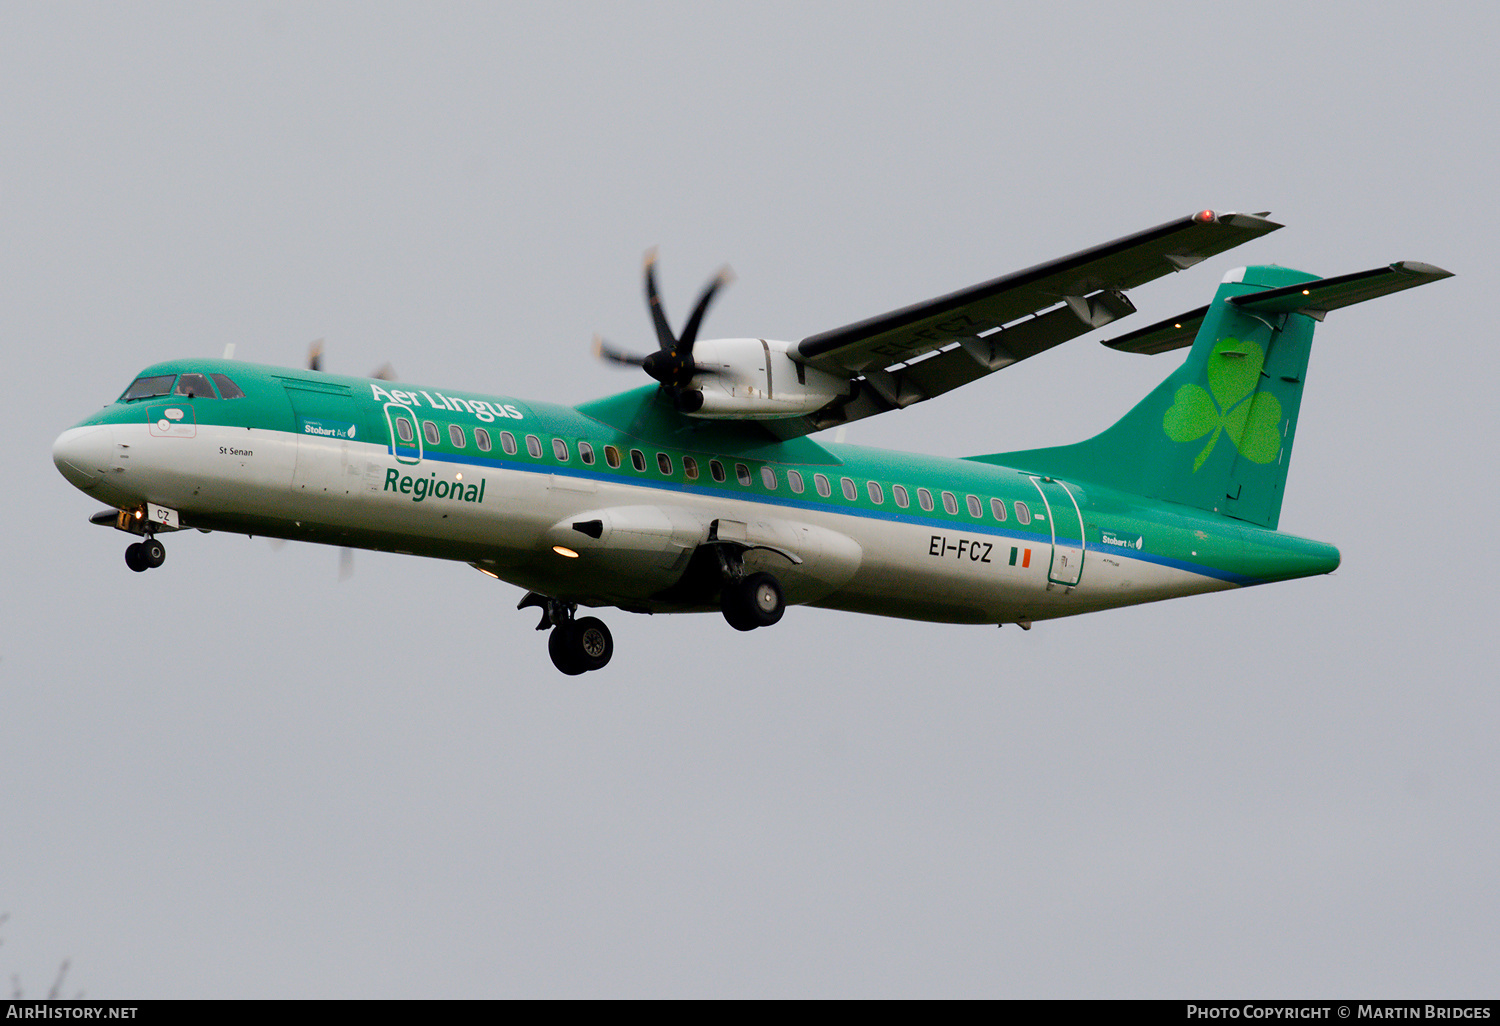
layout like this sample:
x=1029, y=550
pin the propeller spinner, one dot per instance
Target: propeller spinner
x=672, y=363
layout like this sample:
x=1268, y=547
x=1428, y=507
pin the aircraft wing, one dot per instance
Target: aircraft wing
x=921, y=351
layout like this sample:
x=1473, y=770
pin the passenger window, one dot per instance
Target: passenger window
x=227, y=389
x=405, y=431
x=534, y=447
x=638, y=461
x=1023, y=514
x=559, y=450
x=998, y=508
x=508, y=443
x=824, y=488
x=742, y=475
x=950, y=504
x=430, y=432
x=482, y=439
x=717, y=470
x=794, y=479
x=456, y=436
x=768, y=478
x=664, y=464
x=195, y=386
x=612, y=457
x=586, y=453
x=690, y=468
x=924, y=498
x=976, y=509
x=902, y=499
x=876, y=495
x=850, y=492
x=144, y=388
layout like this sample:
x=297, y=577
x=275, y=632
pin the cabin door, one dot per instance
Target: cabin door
x=326, y=428
x=406, y=435
x=1066, y=521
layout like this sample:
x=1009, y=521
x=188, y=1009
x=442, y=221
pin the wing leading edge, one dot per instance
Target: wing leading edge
x=921, y=351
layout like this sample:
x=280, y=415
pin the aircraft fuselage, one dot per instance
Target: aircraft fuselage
x=615, y=503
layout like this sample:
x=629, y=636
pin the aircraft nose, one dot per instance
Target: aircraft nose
x=83, y=454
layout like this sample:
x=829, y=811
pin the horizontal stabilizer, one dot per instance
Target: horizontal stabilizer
x=1163, y=336
x=1313, y=298
x=1316, y=298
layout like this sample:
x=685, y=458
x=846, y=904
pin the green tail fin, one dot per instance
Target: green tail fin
x=1217, y=434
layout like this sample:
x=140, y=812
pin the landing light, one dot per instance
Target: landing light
x=458, y=477
x=563, y=550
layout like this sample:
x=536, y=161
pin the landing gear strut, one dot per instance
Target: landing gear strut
x=576, y=646
x=146, y=555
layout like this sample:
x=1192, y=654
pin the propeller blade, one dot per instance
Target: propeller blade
x=346, y=563
x=672, y=363
x=690, y=333
x=385, y=372
x=664, y=337
x=315, y=355
x=604, y=351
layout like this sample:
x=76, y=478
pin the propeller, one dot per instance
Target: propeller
x=385, y=372
x=672, y=363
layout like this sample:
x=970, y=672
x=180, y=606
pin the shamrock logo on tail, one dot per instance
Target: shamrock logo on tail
x=1233, y=373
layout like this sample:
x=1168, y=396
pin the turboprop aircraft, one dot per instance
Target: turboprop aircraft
x=704, y=491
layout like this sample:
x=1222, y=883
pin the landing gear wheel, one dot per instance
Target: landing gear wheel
x=756, y=601
x=578, y=646
x=593, y=640
x=135, y=557
x=154, y=552
x=566, y=655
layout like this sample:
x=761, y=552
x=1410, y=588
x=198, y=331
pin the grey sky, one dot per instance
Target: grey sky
x=237, y=776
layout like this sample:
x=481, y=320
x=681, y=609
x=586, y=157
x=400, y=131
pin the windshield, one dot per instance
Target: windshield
x=141, y=388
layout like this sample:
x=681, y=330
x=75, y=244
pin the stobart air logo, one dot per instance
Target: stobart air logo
x=327, y=428
x=1122, y=541
x=1230, y=406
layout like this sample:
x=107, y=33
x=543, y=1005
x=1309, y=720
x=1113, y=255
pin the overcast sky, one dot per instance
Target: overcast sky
x=238, y=776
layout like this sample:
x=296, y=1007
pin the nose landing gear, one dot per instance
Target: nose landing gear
x=146, y=555
x=576, y=646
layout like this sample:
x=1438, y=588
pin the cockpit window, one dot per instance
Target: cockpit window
x=195, y=386
x=228, y=389
x=142, y=388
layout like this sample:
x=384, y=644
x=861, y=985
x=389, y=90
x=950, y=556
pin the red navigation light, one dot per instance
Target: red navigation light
x=1205, y=217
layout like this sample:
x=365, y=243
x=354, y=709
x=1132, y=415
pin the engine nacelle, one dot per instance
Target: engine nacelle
x=755, y=379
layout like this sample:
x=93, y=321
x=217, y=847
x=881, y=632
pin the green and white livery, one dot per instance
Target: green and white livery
x=704, y=491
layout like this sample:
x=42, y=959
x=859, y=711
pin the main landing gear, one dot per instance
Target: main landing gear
x=575, y=645
x=748, y=600
x=145, y=555
x=752, y=601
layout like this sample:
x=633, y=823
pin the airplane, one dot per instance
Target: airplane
x=704, y=491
